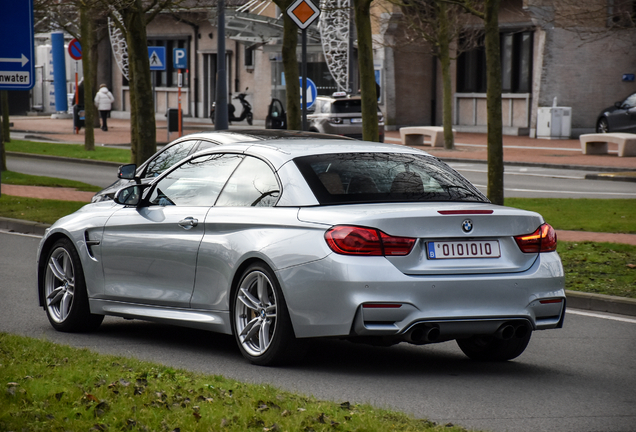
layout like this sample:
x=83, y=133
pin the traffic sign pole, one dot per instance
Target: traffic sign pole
x=304, y=72
x=179, y=83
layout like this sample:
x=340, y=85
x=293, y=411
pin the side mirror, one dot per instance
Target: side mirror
x=130, y=195
x=127, y=172
x=618, y=104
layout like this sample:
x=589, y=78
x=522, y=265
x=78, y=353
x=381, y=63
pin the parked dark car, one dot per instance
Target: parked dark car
x=618, y=118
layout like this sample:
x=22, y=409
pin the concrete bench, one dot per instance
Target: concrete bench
x=414, y=136
x=598, y=143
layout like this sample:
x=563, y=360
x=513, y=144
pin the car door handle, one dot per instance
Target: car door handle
x=188, y=223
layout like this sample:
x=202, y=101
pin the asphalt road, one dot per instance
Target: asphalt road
x=527, y=182
x=581, y=378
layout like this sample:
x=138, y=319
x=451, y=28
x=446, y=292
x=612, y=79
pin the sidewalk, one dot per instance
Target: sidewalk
x=469, y=147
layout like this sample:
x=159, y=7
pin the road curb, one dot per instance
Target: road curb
x=575, y=299
x=22, y=226
x=601, y=303
x=65, y=159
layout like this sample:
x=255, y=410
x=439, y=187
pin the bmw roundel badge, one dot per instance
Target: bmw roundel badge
x=467, y=226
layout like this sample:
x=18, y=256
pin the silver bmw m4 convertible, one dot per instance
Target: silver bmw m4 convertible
x=283, y=241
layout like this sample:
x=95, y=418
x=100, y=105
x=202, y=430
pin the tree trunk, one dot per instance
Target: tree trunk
x=444, y=57
x=142, y=115
x=290, y=66
x=89, y=62
x=370, y=129
x=6, y=128
x=493, y=103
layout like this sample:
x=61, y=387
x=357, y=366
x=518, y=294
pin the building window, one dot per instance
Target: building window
x=516, y=65
x=249, y=57
x=169, y=76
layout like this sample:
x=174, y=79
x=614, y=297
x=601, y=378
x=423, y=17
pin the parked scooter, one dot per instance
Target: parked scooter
x=246, y=114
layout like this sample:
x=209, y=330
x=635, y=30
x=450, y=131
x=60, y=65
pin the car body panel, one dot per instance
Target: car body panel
x=621, y=117
x=151, y=262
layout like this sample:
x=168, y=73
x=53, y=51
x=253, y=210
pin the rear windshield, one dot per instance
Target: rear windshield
x=346, y=106
x=384, y=177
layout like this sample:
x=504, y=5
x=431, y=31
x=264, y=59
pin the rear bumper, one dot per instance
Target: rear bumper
x=367, y=296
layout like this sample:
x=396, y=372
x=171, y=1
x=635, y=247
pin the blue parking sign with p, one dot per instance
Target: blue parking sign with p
x=180, y=58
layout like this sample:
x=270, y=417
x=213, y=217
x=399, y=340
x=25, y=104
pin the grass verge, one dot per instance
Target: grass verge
x=582, y=214
x=600, y=268
x=14, y=178
x=69, y=150
x=49, y=387
x=37, y=210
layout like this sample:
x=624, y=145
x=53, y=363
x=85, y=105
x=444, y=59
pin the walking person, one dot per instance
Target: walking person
x=103, y=101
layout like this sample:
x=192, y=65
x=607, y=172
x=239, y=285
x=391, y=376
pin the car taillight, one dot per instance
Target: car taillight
x=353, y=240
x=544, y=239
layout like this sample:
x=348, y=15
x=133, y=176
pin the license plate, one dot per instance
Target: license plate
x=463, y=249
x=356, y=120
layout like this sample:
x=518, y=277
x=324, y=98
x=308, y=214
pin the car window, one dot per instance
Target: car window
x=630, y=101
x=206, y=145
x=168, y=158
x=345, y=106
x=384, y=177
x=196, y=182
x=252, y=184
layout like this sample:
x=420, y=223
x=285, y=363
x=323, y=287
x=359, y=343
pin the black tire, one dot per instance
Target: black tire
x=602, y=126
x=260, y=320
x=250, y=118
x=489, y=348
x=64, y=289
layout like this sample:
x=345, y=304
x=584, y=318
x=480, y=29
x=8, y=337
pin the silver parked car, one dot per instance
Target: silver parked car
x=282, y=241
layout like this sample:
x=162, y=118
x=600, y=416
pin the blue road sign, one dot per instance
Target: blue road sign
x=180, y=58
x=17, y=58
x=157, y=57
x=312, y=92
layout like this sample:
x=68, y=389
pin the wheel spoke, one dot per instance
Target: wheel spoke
x=248, y=299
x=270, y=311
x=261, y=287
x=57, y=270
x=55, y=296
x=264, y=335
x=253, y=330
x=65, y=305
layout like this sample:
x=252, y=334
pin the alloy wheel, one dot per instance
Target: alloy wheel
x=59, y=285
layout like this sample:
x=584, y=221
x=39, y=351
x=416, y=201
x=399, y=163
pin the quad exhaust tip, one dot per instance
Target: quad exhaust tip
x=422, y=333
x=512, y=330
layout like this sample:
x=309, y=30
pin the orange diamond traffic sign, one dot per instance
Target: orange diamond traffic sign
x=303, y=13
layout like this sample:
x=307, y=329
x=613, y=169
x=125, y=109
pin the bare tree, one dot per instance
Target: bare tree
x=444, y=27
x=370, y=130
x=488, y=11
x=82, y=19
x=290, y=66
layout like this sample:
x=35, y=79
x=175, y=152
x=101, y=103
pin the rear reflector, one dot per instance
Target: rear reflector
x=544, y=239
x=551, y=301
x=464, y=212
x=353, y=240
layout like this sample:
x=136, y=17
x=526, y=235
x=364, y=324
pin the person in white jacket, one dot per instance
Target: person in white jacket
x=103, y=101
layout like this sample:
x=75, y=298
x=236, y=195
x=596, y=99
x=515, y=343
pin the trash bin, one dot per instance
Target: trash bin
x=173, y=119
x=79, y=116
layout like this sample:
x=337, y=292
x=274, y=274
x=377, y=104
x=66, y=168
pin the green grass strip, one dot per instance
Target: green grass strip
x=48, y=387
x=582, y=214
x=600, y=268
x=37, y=210
x=15, y=178
x=69, y=150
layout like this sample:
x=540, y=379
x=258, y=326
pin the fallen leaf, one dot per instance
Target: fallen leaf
x=631, y=266
x=196, y=415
